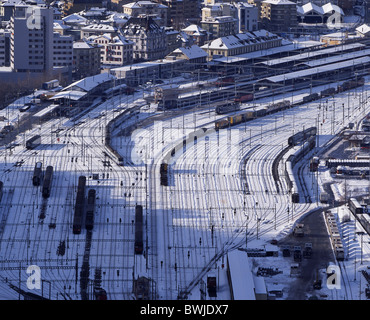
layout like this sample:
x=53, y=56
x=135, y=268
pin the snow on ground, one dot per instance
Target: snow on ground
x=180, y=215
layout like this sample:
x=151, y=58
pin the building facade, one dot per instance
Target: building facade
x=31, y=41
x=149, y=39
x=245, y=17
x=222, y=26
x=86, y=59
x=157, y=11
x=242, y=43
x=4, y=48
x=181, y=12
x=62, y=50
x=278, y=15
x=115, y=50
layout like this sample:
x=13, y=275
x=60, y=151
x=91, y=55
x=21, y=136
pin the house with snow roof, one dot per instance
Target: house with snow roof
x=116, y=50
x=193, y=54
x=98, y=29
x=313, y=13
x=75, y=19
x=197, y=34
x=156, y=10
x=80, y=94
x=149, y=38
x=242, y=43
x=363, y=30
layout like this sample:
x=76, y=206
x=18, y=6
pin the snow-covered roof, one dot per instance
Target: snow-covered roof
x=329, y=8
x=69, y=94
x=317, y=70
x=74, y=18
x=194, y=29
x=59, y=24
x=140, y=4
x=279, y=2
x=99, y=27
x=364, y=29
x=192, y=52
x=239, y=40
x=310, y=7
x=241, y=276
x=118, y=18
x=90, y=83
x=83, y=44
x=307, y=55
x=327, y=60
x=117, y=40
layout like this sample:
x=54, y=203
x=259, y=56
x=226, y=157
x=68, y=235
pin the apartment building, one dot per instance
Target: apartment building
x=221, y=26
x=86, y=58
x=31, y=41
x=157, y=11
x=149, y=39
x=4, y=48
x=115, y=50
x=245, y=15
x=181, y=12
x=278, y=15
x=62, y=50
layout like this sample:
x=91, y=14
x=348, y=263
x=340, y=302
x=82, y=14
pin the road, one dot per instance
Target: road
x=315, y=233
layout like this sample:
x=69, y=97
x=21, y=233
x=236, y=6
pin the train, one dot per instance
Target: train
x=90, y=210
x=46, y=185
x=290, y=180
x=37, y=174
x=335, y=237
x=291, y=162
x=311, y=97
x=227, y=107
x=359, y=212
x=110, y=151
x=355, y=207
x=52, y=84
x=79, y=205
x=114, y=123
x=327, y=92
x=354, y=163
x=349, y=171
x=163, y=170
x=314, y=164
x=302, y=136
x=138, y=246
x=33, y=142
x=250, y=115
x=244, y=98
x=350, y=84
x=224, y=81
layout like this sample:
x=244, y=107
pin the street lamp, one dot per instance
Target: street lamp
x=361, y=233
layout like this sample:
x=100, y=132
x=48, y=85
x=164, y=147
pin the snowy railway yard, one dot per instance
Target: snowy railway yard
x=221, y=196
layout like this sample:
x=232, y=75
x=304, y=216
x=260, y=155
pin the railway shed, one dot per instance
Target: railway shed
x=332, y=71
x=82, y=93
x=247, y=59
x=295, y=59
x=242, y=283
x=337, y=58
